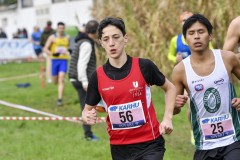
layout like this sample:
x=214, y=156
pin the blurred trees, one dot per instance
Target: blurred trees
x=150, y=24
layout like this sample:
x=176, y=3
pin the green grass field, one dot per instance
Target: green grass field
x=63, y=140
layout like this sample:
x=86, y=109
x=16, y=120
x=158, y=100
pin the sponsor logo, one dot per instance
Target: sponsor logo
x=212, y=100
x=218, y=82
x=199, y=87
x=113, y=108
x=205, y=121
x=125, y=106
x=108, y=88
x=216, y=119
x=197, y=81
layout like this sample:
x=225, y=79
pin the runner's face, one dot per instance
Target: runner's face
x=61, y=29
x=113, y=41
x=197, y=37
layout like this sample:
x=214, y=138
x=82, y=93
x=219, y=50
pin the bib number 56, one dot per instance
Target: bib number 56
x=126, y=116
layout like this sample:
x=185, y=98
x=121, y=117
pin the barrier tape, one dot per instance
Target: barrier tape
x=25, y=108
x=18, y=77
x=99, y=120
x=51, y=116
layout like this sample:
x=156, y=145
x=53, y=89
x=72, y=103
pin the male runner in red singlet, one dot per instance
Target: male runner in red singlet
x=123, y=83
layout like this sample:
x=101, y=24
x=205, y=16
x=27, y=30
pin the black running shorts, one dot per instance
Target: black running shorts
x=152, y=150
x=230, y=152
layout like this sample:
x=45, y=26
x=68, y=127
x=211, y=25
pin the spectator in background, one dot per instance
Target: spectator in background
x=22, y=33
x=25, y=33
x=48, y=30
x=35, y=39
x=16, y=34
x=82, y=65
x=2, y=33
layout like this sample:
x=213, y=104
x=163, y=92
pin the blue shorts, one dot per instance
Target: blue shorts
x=59, y=65
x=38, y=51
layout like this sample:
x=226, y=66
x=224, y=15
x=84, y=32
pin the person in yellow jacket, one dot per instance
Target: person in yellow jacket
x=57, y=47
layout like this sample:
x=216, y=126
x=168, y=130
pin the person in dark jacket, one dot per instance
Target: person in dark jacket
x=48, y=30
x=82, y=65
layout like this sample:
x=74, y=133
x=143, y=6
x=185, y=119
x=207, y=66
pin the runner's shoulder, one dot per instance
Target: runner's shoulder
x=146, y=62
x=179, y=68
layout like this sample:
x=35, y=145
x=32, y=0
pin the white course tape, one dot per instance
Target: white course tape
x=18, y=77
x=99, y=120
x=51, y=116
x=27, y=109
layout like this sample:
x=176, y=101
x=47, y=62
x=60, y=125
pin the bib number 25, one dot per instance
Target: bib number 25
x=126, y=116
x=217, y=128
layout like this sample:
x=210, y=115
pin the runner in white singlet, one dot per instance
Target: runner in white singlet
x=206, y=75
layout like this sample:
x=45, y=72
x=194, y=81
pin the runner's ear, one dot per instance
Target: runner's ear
x=125, y=38
x=101, y=42
x=210, y=37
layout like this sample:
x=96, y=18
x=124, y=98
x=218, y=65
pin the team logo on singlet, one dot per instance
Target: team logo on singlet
x=137, y=90
x=135, y=84
x=212, y=100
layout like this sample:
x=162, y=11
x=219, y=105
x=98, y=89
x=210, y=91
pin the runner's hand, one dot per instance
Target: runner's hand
x=179, y=57
x=180, y=101
x=89, y=117
x=166, y=127
x=56, y=54
x=236, y=103
x=85, y=87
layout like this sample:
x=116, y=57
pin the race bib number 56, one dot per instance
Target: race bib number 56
x=127, y=115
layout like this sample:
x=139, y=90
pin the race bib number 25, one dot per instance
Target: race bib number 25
x=127, y=115
x=217, y=127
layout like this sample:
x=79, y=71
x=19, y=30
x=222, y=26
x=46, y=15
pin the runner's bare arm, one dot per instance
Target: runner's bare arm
x=89, y=115
x=233, y=67
x=166, y=126
x=233, y=35
x=177, y=79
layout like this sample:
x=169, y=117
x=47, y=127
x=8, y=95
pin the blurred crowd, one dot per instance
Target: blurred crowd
x=20, y=33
